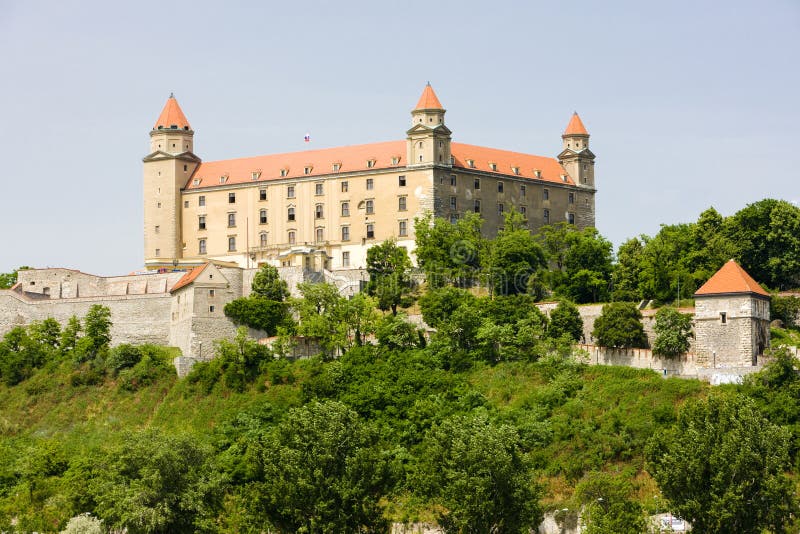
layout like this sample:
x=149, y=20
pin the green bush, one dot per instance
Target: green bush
x=123, y=357
x=154, y=365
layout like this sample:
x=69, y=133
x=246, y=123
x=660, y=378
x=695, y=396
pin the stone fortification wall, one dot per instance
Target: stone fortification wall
x=58, y=283
x=136, y=318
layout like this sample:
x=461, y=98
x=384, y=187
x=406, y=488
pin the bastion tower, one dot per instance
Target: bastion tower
x=167, y=169
x=578, y=161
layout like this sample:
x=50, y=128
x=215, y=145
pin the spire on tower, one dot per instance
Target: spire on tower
x=172, y=116
x=575, y=126
x=428, y=100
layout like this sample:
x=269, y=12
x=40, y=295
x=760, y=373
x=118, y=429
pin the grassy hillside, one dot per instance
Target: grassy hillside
x=573, y=420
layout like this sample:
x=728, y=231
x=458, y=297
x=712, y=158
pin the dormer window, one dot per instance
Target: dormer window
x=284, y=172
x=336, y=167
x=223, y=179
x=196, y=181
x=515, y=170
x=395, y=160
x=563, y=177
x=255, y=175
x=370, y=163
x=307, y=169
x=537, y=173
x=493, y=166
x=471, y=163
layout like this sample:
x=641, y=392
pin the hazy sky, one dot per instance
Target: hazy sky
x=690, y=104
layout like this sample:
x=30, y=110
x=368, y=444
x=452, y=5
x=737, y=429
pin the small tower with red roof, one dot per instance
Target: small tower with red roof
x=428, y=139
x=578, y=161
x=167, y=169
x=731, y=319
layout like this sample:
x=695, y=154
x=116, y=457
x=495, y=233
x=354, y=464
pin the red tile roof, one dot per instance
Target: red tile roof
x=356, y=157
x=188, y=278
x=575, y=126
x=172, y=115
x=731, y=278
x=428, y=100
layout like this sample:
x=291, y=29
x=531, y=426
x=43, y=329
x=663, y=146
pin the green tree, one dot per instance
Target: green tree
x=259, y=313
x=514, y=258
x=7, y=280
x=70, y=335
x=619, y=326
x=565, y=320
x=628, y=270
x=357, y=320
x=710, y=248
x=449, y=253
x=322, y=471
x=609, y=506
x=766, y=238
x=475, y=473
x=154, y=482
x=389, y=268
x=97, y=332
x=437, y=305
x=396, y=333
x=319, y=311
x=722, y=467
x=673, y=330
x=267, y=284
x=240, y=360
x=786, y=310
x=587, y=266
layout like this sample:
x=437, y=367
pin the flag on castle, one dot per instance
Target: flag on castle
x=307, y=138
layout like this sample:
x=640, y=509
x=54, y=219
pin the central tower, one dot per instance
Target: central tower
x=428, y=139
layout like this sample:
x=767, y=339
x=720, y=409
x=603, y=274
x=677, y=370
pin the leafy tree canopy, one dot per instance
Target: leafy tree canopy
x=620, y=325
x=673, y=330
x=389, y=268
x=267, y=284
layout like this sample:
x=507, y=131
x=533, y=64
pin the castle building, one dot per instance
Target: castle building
x=322, y=209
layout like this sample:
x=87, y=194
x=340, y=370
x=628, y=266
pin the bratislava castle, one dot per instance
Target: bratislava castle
x=322, y=209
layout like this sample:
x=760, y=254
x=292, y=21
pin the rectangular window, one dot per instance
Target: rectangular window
x=158, y=228
x=158, y=252
x=211, y=309
x=201, y=222
x=232, y=244
x=545, y=194
x=345, y=233
x=499, y=187
x=524, y=211
x=211, y=292
x=201, y=200
x=262, y=237
x=453, y=180
x=318, y=212
x=477, y=185
x=262, y=194
x=500, y=209
x=401, y=181
x=185, y=203
x=546, y=216
x=231, y=198
x=571, y=198
x=370, y=231
x=292, y=237
x=290, y=214
x=723, y=317
x=344, y=187
x=370, y=183
x=401, y=204
x=453, y=203
x=402, y=230
x=320, y=235
x=370, y=207
x=201, y=246
x=262, y=217
x=231, y=220
x=571, y=218
x=317, y=189
x=477, y=207
x=289, y=191
x=345, y=209
x=345, y=259
x=523, y=191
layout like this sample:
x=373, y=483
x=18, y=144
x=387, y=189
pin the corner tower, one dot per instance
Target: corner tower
x=428, y=139
x=578, y=161
x=167, y=169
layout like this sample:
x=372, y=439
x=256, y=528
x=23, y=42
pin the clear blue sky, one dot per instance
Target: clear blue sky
x=689, y=104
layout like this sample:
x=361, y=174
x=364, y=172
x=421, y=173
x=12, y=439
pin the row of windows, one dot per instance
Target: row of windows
x=523, y=190
x=319, y=235
x=319, y=213
x=291, y=191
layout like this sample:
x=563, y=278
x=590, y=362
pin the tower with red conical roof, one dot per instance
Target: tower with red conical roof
x=731, y=319
x=578, y=161
x=428, y=139
x=167, y=169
